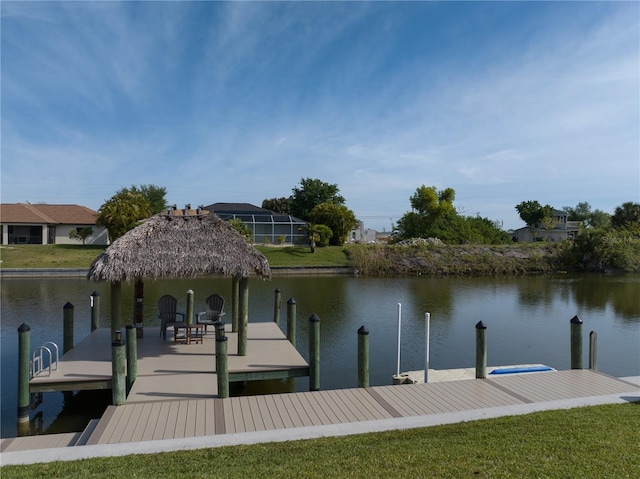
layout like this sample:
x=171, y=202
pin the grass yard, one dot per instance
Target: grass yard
x=79, y=256
x=48, y=256
x=592, y=442
x=302, y=256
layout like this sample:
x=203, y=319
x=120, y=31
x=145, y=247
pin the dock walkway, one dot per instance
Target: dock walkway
x=157, y=426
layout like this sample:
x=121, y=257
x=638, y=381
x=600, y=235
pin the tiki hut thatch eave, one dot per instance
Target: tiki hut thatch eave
x=176, y=246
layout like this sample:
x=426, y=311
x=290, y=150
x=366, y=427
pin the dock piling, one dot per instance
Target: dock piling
x=291, y=321
x=95, y=310
x=138, y=307
x=576, y=342
x=314, y=353
x=189, y=318
x=363, y=357
x=116, y=307
x=593, y=350
x=243, y=316
x=132, y=355
x=277, y=305
x=481, y=350
x=24, y=346
x=222, y=367
x=67, y=328
x=118, y=370
x=234, y=304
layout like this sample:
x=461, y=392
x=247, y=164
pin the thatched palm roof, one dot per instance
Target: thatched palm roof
x=173, y=245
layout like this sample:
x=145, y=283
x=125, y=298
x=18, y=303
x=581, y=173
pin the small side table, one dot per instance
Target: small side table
x=192, y=333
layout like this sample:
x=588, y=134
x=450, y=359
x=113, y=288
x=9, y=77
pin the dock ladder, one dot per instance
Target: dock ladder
x=38, y=365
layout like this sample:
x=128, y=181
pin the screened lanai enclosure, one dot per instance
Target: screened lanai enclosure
x=268, y=227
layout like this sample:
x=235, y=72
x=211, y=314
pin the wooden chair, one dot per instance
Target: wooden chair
x=215, y=307
x=168, y=314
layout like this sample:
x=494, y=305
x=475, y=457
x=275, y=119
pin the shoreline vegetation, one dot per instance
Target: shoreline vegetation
x=413, y=258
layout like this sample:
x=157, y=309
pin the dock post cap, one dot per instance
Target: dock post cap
x=481, y=325
x=362, y=330
x=23, y=328
x=130, y=326
x=68, y=305
x=95, y=293
x=314, y=318
x=576, y=320
x=291, y=301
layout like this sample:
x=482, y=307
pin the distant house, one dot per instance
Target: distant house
x=267, y=226
x=366, y=235
x=562, y=230
x=24, y=223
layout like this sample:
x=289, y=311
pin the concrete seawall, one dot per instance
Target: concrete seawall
x=82, y=272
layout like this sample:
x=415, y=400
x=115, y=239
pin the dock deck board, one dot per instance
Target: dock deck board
x=194, y=417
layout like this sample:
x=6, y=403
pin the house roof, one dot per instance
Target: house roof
x=26, y=213
x=246, y=210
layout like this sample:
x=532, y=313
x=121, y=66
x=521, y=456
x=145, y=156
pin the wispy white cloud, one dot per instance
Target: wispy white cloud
x=503, y=102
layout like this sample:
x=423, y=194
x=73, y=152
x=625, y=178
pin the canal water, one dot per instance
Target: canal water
x=527, y=321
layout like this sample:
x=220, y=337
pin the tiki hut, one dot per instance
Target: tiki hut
x=178, y=244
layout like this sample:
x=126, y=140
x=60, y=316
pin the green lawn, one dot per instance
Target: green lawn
x=593, y=442
x=79, y=256
x=48, y=256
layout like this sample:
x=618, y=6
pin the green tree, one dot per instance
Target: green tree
x=311, y=193
x=337, y=217
x=429, y=207
x=122, y=212
x=279, y=205
x=625, y=215
x=242, y=228
x=155, y=195
x=588, y=218
x=533, y=214
x=81, y=234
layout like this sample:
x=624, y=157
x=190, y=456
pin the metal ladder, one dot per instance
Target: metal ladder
x=37, y=366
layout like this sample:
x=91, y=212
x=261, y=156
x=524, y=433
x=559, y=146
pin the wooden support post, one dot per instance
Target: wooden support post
x=277, y=305
x=576, y=342
x=234, y=304
x=243, y=316
x=189, y=317
x=24, y=350
x=138, y=307
x=291, y=321
x=116, y=302
x=118, y=370
x=95, y=311
x=222, y=367
x=593, y=350
x=314, y=353
x=132, y=355
x=67, y=328
x=481, y=350
x=363, y=357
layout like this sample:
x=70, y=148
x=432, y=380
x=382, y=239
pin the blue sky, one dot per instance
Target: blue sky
x=237, y=102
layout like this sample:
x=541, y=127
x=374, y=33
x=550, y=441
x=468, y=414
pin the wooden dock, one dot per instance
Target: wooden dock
x=137, y=422
x=168, y=370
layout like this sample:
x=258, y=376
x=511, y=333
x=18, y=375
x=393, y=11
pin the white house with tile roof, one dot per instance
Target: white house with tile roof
x=25, y=223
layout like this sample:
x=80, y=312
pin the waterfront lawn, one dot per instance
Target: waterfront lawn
x=79, y=256
x=48, y=256
x=598, y=441
x=302, y=256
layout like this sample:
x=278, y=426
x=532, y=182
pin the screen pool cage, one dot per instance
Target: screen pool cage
x=268, y=227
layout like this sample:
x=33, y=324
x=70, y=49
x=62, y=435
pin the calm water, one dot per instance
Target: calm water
x=527, y=321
